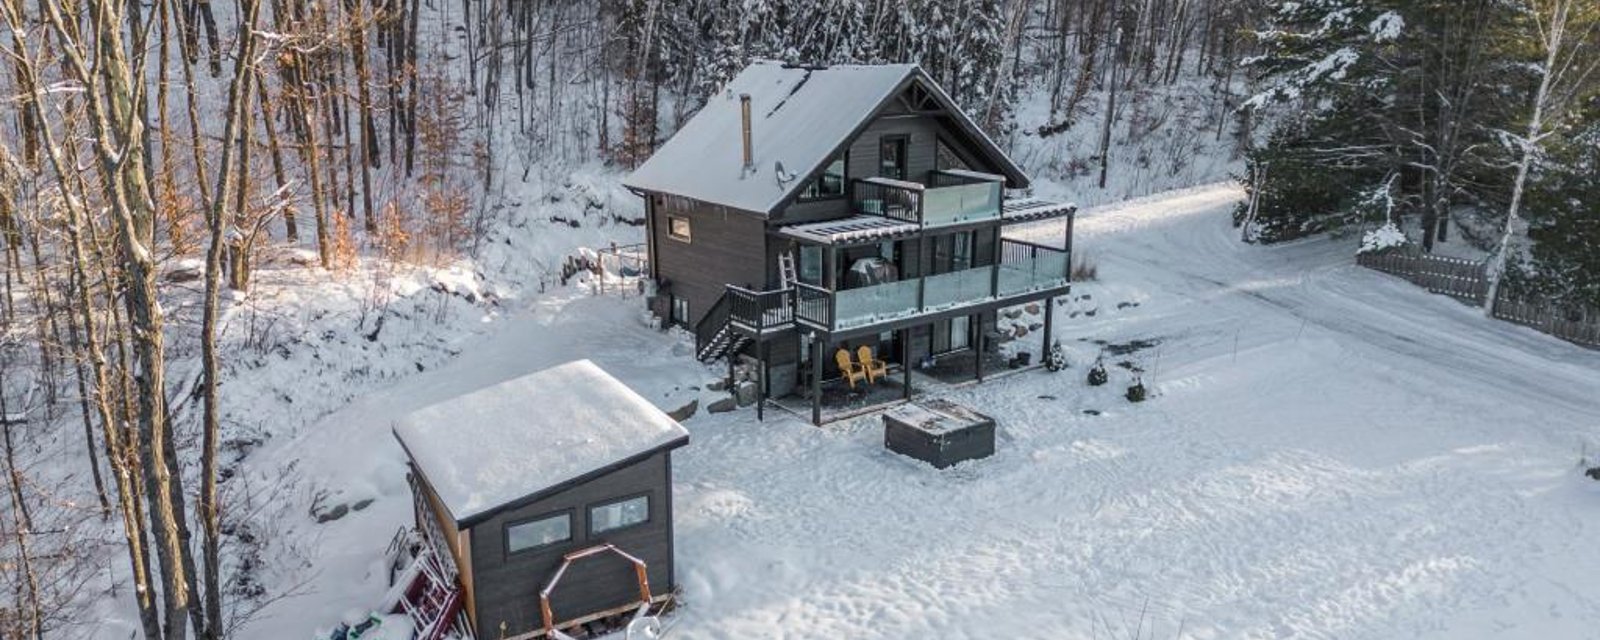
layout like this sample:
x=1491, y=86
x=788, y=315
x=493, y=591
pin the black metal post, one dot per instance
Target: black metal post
x=761, y=373
x=816, y=380
x=905, y=360
x=981, y=335
x=1049, y=313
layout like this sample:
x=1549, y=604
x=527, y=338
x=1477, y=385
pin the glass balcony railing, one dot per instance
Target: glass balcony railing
x=1024, y=268
x=956, y=288
x=1028, y=267
x=877, y=303
x=961, y=204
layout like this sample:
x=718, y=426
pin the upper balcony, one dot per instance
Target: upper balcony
x=951, y=198
x=1024, y=270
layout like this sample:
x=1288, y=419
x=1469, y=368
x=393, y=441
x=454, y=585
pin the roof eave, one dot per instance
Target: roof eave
x=476, y=518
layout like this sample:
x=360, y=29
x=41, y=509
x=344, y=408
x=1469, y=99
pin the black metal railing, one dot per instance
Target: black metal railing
x=893, y=199
x=712, y=323
x=813, y=304
x=760, y=310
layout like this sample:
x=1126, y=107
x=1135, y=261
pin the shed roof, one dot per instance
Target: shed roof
x=521, y=439
x=800, y=117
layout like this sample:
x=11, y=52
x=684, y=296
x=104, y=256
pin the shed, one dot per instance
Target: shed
x=552, y=492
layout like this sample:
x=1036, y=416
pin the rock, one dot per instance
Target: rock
x=684, y=412
x=745, y=394
x=186, y=271
x=1047, y=397
x=1019, y=331
x=1091, y=412
x=1035, y=326
x=338, y=511
x=1091, y=312
x=719, y=385
x=1593, y=473
x=361, y=504
x=1032, y=308
x=723, y=405
x=1127, y=305
x=1012, y=314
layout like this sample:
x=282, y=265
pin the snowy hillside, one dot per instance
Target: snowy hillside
x=1328, y=453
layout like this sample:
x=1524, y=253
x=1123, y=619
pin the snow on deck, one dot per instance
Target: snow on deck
x=858, y=228
x=490, y=447
x=798, y=117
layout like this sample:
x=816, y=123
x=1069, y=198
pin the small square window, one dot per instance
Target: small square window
x=620, y=514
x=540, y=532
x=678, y=228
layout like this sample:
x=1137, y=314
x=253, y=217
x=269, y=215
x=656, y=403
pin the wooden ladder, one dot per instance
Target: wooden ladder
x=786, y=272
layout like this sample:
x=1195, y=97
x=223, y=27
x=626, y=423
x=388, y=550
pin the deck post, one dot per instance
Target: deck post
x=1049, y=313
x=816, y=379
x=761, y=377
x=905, y=360
x=979, y=353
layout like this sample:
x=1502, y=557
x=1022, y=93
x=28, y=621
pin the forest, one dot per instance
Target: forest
x=154, y=154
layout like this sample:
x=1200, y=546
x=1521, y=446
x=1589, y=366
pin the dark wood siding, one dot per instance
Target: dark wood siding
x=726, y=246
x=507, y=586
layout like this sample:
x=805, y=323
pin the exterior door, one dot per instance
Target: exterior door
x=892, y=157
x=951, y=335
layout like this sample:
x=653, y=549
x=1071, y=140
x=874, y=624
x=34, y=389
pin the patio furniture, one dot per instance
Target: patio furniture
x=875, y=368
x=851, y=370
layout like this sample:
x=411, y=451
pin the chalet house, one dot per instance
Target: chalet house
x=551, y=497
x=810, y=209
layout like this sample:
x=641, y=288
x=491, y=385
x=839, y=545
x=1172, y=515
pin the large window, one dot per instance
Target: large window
x=538, y=532
x=811, y=265
x=619, y=515
x=828, y=185
x=892, y=157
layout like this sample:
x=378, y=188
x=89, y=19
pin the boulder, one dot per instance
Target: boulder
x=745, y=394
x=684, y=412
x=723, y=405
x=1032, y=308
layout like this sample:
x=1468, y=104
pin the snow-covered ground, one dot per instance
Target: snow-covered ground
x=1328, y=452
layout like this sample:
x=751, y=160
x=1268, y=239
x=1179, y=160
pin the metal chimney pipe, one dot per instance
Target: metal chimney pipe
x=744, y=118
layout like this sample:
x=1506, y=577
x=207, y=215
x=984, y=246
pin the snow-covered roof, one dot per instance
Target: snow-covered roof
x=799, y=117
x=500, y=444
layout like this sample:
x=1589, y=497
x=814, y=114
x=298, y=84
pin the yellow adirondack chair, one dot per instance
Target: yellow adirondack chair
x=852, y=371
x=875, y=368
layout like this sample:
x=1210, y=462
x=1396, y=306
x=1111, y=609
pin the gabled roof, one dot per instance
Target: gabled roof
x=800, y=118
x=525, y=438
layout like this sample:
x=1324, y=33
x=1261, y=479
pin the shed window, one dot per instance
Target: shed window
x=678, y=228
x=828, y=185
x=539, y=532
x=620, y=514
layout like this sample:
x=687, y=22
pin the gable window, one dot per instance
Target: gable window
x=828, y=185
x=678, y=228
x=538, y=532
x=620, y=514
x=946, y=158
x=892, y=157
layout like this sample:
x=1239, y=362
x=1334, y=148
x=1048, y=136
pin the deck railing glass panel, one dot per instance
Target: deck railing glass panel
x=1028, y=267
x=877, y=303
x=961, y=204
x=947, y=290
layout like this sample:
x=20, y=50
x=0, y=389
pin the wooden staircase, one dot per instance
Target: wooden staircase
x=715, y=336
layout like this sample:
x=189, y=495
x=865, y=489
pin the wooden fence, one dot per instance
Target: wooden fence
x=1468, y=280
x=1458, y=277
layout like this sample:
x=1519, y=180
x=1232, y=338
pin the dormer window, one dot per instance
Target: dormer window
x=828, y=185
